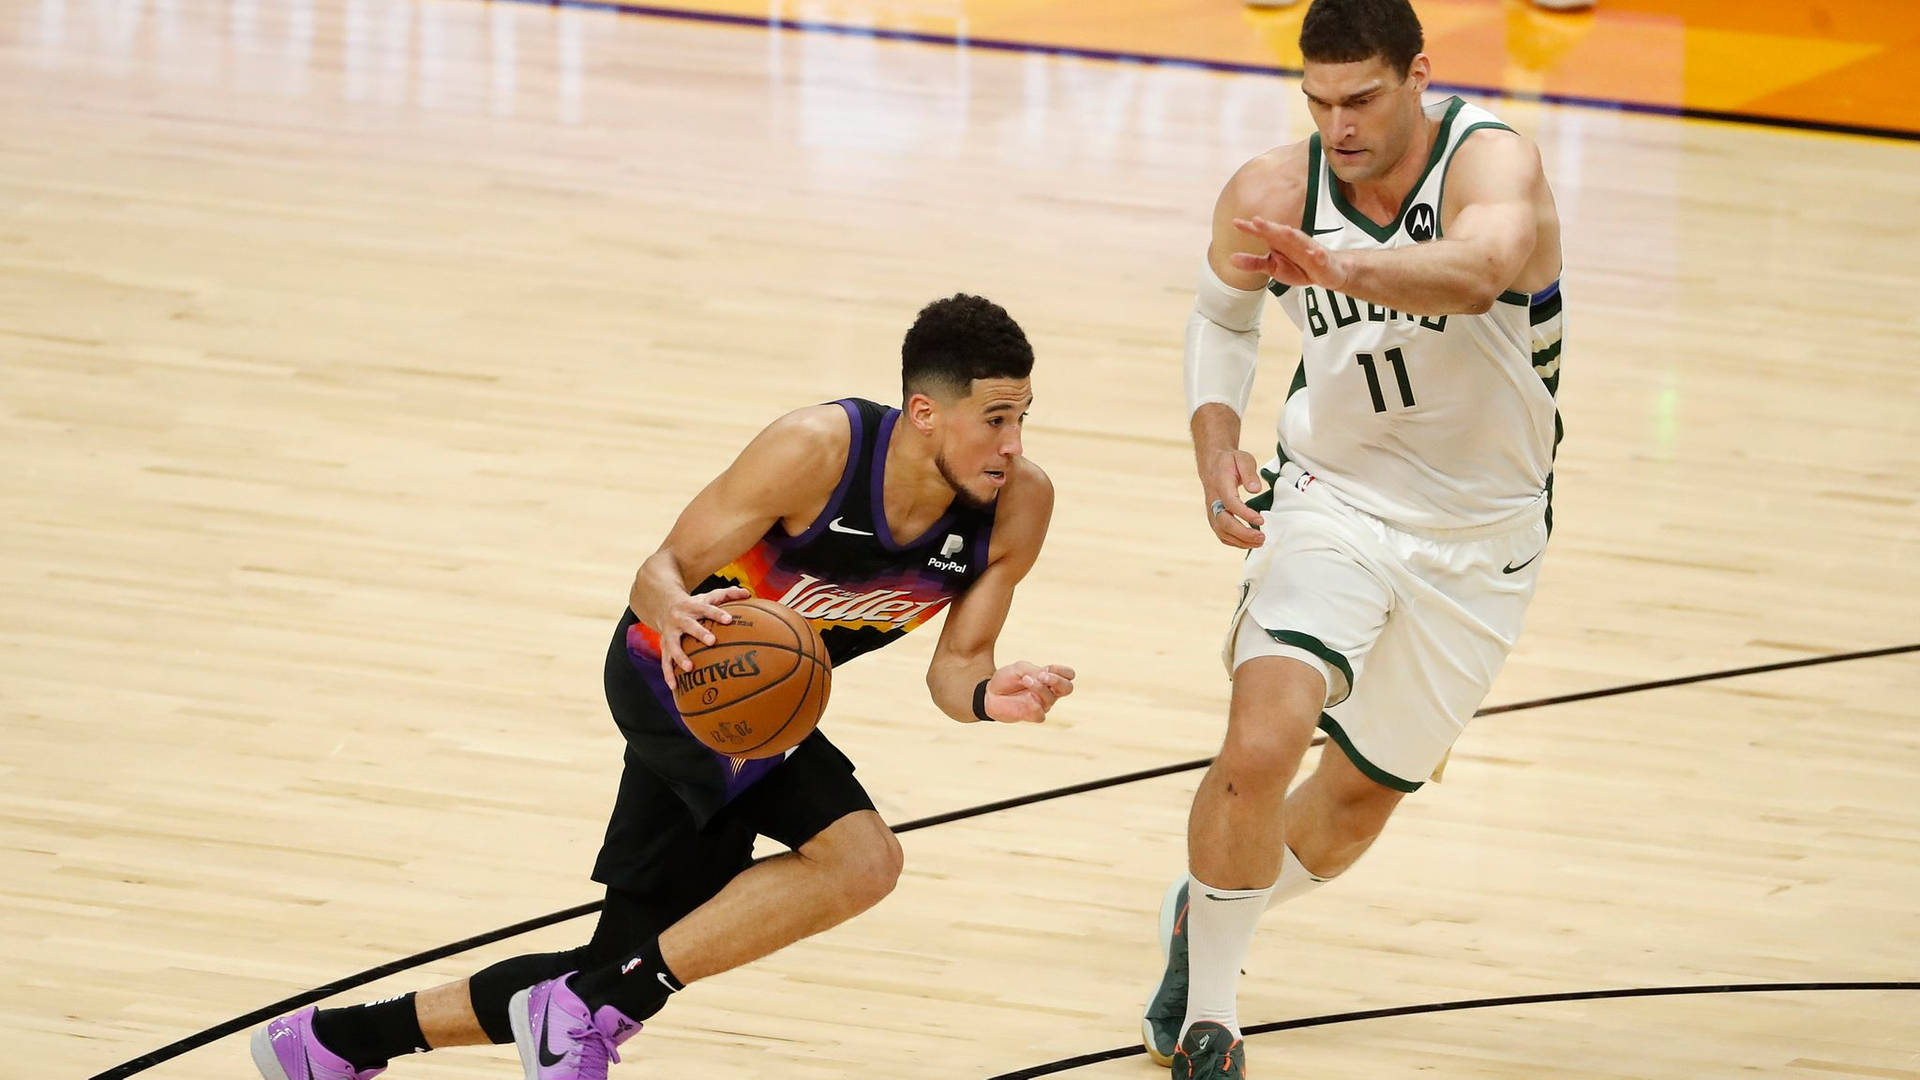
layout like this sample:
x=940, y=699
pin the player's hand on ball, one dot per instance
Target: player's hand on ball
x=687, y=617
x=1222, y=479
x=1021, y=693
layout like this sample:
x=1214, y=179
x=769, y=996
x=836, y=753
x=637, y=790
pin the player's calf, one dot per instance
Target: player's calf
x=1335, y=816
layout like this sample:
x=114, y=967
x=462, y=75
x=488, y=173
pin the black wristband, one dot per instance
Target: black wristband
x=980, y=703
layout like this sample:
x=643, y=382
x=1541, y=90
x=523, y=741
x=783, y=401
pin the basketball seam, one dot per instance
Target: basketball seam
x=795, y=711
x=825, y=672
x=800, y=651
x=766, y=606
x=797, y=648
x=774, y=685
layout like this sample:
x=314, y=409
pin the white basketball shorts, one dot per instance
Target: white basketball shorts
x=1408, y=628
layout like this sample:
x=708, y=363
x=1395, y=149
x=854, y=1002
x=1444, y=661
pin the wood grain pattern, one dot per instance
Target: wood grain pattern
x=352, y=354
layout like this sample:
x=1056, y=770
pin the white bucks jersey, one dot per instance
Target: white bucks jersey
x=1429, y=421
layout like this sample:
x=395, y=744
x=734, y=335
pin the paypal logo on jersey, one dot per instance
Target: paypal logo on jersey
x=944, y=561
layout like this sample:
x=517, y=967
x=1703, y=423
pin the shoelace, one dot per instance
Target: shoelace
x=594, y=1047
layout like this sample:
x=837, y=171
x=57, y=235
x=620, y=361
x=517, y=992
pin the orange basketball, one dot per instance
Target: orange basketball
x=760, y=687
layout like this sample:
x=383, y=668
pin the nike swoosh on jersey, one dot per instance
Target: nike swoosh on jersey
x=839, y=528
x=1322, y=232
x=1512, y=569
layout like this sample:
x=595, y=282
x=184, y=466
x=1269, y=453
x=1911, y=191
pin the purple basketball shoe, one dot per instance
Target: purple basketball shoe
x=559, y=1038
x=285, y=1049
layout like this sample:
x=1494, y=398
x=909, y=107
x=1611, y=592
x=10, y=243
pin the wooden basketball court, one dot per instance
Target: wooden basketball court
x=354, y=352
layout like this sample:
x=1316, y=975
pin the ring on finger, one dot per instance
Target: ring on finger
x=1217, y=506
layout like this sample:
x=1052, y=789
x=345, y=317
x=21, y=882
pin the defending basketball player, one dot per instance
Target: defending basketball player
x=1396, y=536
x=865, y=520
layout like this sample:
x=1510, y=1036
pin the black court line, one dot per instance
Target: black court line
x=814, y=26
x=350, y=982
x=1684, y=680
x=1065, y=1064
x=308, y=997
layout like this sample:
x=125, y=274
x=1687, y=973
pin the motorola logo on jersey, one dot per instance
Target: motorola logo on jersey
x=1420, y=223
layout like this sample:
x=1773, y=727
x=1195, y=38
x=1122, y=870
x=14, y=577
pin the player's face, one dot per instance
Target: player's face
x=1367, y=112
x=980, y=437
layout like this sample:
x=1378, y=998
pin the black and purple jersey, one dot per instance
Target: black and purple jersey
x=846, y=574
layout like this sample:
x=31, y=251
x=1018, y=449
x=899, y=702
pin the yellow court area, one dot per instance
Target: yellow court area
x=1839, y=62
x=354, y=352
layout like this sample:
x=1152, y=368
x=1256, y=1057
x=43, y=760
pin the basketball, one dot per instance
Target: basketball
x=760, y=687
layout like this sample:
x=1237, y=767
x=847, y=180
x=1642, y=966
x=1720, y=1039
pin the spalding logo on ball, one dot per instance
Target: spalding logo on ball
x=760, y=687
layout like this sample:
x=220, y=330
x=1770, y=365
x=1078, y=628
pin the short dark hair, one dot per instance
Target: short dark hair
x=957, y=340
x=1347, y=31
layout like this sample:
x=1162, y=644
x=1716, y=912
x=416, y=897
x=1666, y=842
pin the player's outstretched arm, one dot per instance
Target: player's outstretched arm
x=1020, y=691
x=787, y=470
x=1489, y=226
x=1223, y=338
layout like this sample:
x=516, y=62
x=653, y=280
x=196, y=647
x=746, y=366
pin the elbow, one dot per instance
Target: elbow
x=940, y=702
x=1490, y=276
x=1485, y=291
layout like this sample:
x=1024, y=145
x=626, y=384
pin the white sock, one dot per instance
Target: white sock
x=1294, y=879
x=1220, y=926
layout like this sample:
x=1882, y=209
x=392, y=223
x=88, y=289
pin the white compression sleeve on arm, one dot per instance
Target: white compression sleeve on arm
x=1223, y=343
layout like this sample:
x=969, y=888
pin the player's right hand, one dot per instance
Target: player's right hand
x=687, y=617
x=1234, y=522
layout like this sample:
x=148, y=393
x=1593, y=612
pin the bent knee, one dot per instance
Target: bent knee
x=1275, y=708
x=869, y=876
x=1260, y=758
x=1265, y=748
x=862, y=854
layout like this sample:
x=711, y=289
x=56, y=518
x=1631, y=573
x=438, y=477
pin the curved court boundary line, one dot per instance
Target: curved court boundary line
x=267, y=1012
x=814, y=26
x=1066, y=1064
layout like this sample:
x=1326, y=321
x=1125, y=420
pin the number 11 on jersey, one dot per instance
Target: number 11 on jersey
x=1399, y=362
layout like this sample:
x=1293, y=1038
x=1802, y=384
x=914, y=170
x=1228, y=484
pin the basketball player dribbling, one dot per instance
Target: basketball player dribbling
x=1396, y=536
x=865, y=520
